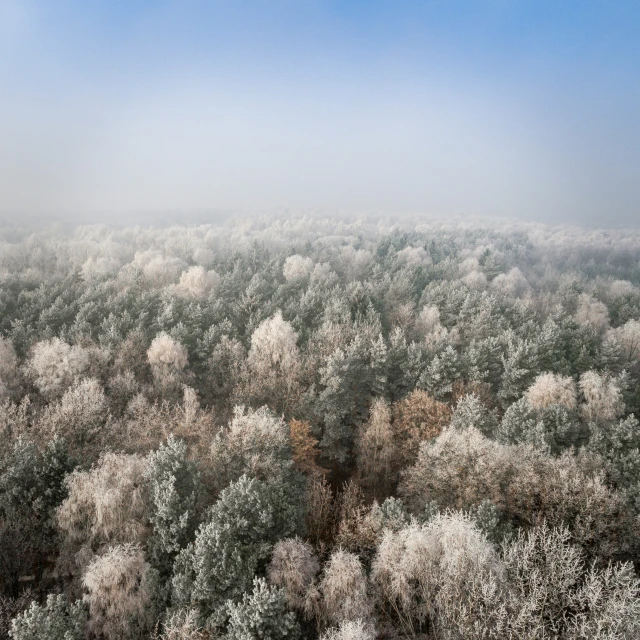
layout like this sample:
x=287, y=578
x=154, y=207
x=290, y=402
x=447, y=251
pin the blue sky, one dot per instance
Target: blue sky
x=502, y=107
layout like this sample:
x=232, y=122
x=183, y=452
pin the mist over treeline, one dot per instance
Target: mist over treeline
x=342, y=427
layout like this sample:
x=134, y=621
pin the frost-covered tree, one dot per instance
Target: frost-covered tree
x=274, y=363
x=196, y=282
x=162, y=270
x=293, y=568
x=375, y=448
x=173, y=490
x=592, y=312
x=78, y=415
x=350, y=630
x=553, y=594
x=167, y=358
x=441, y=373
x=182, y=624
x=512, y=283
x=443, y=576
x=519, y=366
x=461, y=469
x=603, y=397
x=238, y=534
x=256, y=443
x=8, y=368
x=628, y=337
x=297, y=267
x=54, y=365
x=470, y=412
x=428, y=324
x=343, y=590
x=106, y=505
x=619, y=445
x=550, y=388
x=120, y=590
x=57, y=619
x=262, y=615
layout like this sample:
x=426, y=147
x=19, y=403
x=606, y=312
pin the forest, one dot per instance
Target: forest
x=318, y=427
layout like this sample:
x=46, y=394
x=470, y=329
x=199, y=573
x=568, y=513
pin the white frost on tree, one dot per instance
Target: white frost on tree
x=119, y=593
x=196, y=282
x=551, y=388
x=428, y=325
x=273, y=363
x=628, y=337
x=344, y=590
x=443, y=574
x=592, y=312
x=350, y=630
x=167, y=357
x=475, y=280
x=297, y=267
x=603, y=396
x=512, y=283
x=79, y=413
x=414, y=256
x=293, y=568
x=54, y=365
x=8, y=367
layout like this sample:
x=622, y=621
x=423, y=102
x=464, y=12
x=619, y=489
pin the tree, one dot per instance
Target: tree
x=8, y=368
x=274, y=364
x=512, y=284
x=304, y=447
x=296, y=268
x=549, y=388
x=120, y=587
x=443, y=576
x=592, y=312
x=441, y=373
x=54, y=365
x=461, y=469
x=262, y=615
x=470, y=412
x=350, y=630
x=182, y=625
x=239, y=533
x=552, y=594
x=350, y=378
x=293, y=569
x=375, y=449
x=619, y=445
x=167, y=358
x=603, y=397
x=78, y=415
x=106, y=505
x=628, y=337
x=173, y=488
x=256, y=443
x=196, y=282
x=343, y=590
x=519, y=366
x=224, y=368
x=31, y=487
x=416, y=418
x=56, y=620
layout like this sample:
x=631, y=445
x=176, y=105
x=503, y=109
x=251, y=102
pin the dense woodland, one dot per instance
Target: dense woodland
x=310, y=428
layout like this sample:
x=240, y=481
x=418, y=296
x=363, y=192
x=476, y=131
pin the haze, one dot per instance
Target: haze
x=505, y=107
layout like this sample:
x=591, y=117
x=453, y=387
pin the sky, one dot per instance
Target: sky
x=514, y=108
